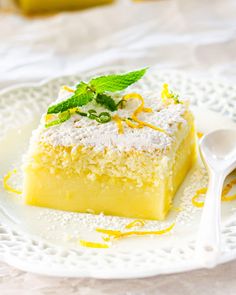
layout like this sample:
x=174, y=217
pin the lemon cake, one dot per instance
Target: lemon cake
x=112, y=152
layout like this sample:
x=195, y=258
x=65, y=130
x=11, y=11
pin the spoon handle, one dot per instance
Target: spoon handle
x=209, y=235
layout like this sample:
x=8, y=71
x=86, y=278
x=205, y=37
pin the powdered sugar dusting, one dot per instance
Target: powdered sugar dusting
x=197, y=179
x=80, y=130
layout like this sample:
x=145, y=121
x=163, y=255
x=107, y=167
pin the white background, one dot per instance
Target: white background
x=195, y=36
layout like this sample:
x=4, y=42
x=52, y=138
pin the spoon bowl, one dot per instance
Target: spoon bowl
x=218, y=150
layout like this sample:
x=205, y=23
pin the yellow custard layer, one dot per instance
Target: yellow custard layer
x=132, y=184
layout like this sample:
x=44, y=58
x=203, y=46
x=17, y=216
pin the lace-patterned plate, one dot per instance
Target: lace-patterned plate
x=47, y=241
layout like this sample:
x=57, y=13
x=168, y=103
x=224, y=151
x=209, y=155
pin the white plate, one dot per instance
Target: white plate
x=46, y=241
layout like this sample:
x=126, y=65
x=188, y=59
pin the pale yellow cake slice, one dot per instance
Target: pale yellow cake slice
x=115, y=168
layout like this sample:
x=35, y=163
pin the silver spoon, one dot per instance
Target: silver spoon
x=218, y=151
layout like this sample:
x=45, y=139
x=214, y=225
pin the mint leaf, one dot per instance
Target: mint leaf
x=107, y=101
x=114, y=82
x=81, y=97
x=72, y=102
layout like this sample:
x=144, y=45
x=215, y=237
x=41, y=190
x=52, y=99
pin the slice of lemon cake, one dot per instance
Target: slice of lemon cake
x=97, y=150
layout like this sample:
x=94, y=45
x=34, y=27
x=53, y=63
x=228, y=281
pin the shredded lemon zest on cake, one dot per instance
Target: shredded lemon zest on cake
x=224, y=196
x=134, y=95
x=147, y=110
x=132, y=125
x=165, y=92
x=118, y=121
x=167, y=96
x=147, y=124
x=140, y=109
x=68, y=88
x=200, y=134
x=6, y=186
x=90, y=244
x=137, y=222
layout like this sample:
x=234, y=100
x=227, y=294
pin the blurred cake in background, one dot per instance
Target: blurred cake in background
x=39, y=6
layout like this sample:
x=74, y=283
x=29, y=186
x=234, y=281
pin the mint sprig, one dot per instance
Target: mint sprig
x=95, y=90
x=113, y=83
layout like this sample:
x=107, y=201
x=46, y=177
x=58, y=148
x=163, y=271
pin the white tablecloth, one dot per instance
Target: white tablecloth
x=196, y=36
